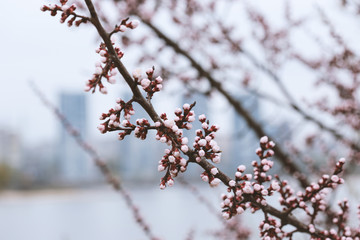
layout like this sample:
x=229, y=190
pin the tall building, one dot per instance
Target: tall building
x=73, y=165
x=244, y=141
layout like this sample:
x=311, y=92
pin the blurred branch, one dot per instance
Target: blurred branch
x=284, y=158
x=99, y=162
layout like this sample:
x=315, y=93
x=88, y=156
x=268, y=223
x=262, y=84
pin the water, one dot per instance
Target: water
x=101, y=213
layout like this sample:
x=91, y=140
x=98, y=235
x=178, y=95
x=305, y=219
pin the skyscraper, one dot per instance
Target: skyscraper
x=73, y=165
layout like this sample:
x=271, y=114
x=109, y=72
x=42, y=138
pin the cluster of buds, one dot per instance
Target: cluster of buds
x=264, y=152
x=104, y=68
x=316, y=192
x=67, y=11
x=113, y=121
x=210, y=177
x=245, y=193
x=173, y=162
x=270, y=228
x=149, y=84
x=205, y=145
x=171, y=132
x=125, y=24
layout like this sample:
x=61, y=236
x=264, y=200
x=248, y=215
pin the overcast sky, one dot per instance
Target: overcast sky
x=36, y=47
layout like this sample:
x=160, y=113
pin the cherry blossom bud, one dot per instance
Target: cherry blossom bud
x=169, y=123
x=101, y=128
x=183, y=162
x=184, y=148
x=171, y=159
x=248, y=176
x=170, y=182
x=215, y=182
x=226, y=215
x=112, y=80
x=232, y=183
x=275, y=185
x=122, y=28
x=159, y=80
x=202, y=142
x=98, y=70
x=65, y=7
x=201, y=153
x=202, y=117
x=145, y=82
x=257, y=187
x=191, y=119
x=205, y=178
x=311, y=228
x=161, y=168
x=216, y=159
x=103, y=90
x=184, y=140
x=238, y=174
x=264, y=140
x=136, y=73
x=216, y=148
x=334, y=178
x=240, y=210
x=102, y=53
x=186, y=106
x=241, y=168
x=214, y=171
x=174, y=128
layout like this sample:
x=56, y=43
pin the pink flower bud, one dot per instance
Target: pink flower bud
x=214, y=171
x=159, y=80
x=98, y=70
x=241, y=168
x=232, y=183
x=136, y=73
x=161, y=168
x=334, y=178
x=122, y=28
x=170, y=182
x=239, y=210
x=184, y=148
x=112, y=80
x=102, y=53
x=103, y=90
x=216, y=159
x=145, y=82
x=202, y=117
x=215, y=182
x=201, y=153
x=186, y=106
x=264, y=140
x=202, y=142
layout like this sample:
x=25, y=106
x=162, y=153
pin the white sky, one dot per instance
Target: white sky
x=35, y=46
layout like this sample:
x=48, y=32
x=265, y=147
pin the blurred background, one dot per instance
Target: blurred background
x=49, y=186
